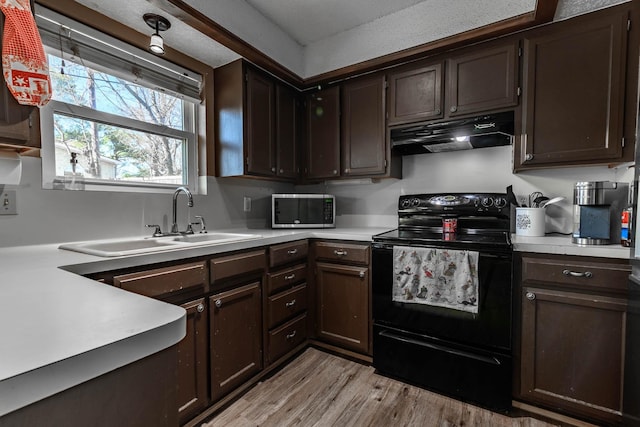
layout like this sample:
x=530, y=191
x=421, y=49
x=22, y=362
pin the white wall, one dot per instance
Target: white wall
x=480, y=170
x=48, y=216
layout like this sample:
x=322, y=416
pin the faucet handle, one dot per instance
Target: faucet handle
x=157, y=232
x=203, y=225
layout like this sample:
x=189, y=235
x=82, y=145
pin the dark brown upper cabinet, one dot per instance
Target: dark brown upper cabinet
x=574, y=86
x=482, y=79
x=19, y=124
x=256, y=124
x=478, y=79
x=323, y=134
x=289, y=119
x=363, y=145
x=260, y=120
x=415, y=93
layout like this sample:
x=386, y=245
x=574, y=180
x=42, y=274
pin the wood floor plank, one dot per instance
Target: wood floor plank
x=319, y=389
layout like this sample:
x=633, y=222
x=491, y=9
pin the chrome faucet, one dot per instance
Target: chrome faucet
x=185, y=190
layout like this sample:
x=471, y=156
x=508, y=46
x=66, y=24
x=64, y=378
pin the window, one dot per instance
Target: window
x=126, y=116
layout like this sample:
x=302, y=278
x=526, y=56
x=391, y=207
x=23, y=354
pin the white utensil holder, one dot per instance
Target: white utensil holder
x=530, y=222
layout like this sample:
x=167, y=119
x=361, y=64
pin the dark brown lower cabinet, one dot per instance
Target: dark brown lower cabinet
x=572, y=342
x=235, y=337
x=192, y=362
x=343, y=305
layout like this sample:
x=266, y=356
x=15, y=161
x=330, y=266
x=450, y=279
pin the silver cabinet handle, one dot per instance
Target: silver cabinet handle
x=291, y=335
x=292, y=251
x=335, y=172
x=281, y=170
x=340, y=252
x=528, y=157
x=586, y=274
x=218, y=303
x=530, y=296
x=361, y=274
x=438, y=111
x=273, y=170
x=290, y=276
x=290, y=303
x=200, y=308
x=453, y=109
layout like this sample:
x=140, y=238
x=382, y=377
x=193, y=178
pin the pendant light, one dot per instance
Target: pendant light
x=158, y=23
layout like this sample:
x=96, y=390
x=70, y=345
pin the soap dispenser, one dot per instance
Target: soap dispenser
x=73, y=180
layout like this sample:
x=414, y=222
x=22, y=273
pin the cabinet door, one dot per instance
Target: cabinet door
x=574, y=92
x=260, y=124
x=343, y=305
x=482, y=80
x=572, y=352
x=287, y=123
x=192, y=362
x=323, y=134
x=236, y=337
x=363, y=144
x=415, y=94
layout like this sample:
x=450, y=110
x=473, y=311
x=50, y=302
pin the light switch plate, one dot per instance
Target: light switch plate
x=8, y=203
x=247, y=204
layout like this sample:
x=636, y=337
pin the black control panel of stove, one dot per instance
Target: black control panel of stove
x=455, y=204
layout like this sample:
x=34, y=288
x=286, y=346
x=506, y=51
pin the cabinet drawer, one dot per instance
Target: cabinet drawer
x=288, y=252
x=574, y=272
x=287, y=337
x=237, y=264
x=285, y=278
x=348, y=253
x=162, y=281
x=286, y=304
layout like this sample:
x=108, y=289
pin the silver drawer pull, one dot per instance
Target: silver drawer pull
x=292, y=251
x=290, y=276
x=291, y=335
x=586, y=274
x=530, y=296
x=361, y=274
x=340, y=252
x=290, y=303
x=200, y=308
x=218, y=303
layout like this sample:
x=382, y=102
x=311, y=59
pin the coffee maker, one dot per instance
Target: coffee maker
x=597, y=206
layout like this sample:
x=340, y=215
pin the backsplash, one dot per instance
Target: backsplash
x=54, y=216
x=487, y=169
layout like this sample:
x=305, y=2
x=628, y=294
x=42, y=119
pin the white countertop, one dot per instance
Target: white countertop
x=562, y=245
x=59, y=329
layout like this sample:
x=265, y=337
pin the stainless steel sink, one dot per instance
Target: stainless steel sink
x=112, y=248
x=215, y=238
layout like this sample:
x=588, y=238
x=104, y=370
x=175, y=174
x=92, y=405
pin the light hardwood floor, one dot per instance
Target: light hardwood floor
x=319, y=389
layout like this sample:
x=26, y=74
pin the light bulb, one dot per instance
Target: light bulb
x=156, y=45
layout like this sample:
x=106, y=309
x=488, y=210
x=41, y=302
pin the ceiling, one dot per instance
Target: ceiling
x=308, y=21
x=311, y=37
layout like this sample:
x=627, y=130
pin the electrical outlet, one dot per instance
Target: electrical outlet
x=247, y=204
x=8, y=203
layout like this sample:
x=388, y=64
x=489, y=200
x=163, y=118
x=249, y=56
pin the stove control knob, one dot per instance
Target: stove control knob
x=500, y=202
x=415, y=202
x=404, y=203
x=487, y=201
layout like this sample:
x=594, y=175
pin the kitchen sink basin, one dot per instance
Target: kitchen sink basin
x=112, y=248
x=214, y=238
x=121, y=247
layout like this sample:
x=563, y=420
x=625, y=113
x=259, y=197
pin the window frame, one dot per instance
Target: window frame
x=192, y=111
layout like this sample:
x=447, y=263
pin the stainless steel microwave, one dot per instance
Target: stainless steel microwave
x=303, y=211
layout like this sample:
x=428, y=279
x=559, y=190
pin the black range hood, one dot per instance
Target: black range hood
x=488, y=130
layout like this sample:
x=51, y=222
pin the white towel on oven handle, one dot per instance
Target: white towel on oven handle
x=439, y=277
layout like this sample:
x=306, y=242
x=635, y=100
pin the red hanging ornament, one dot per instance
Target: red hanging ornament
x=24, y=62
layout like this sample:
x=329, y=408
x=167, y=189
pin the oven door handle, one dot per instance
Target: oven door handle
x=468, y=355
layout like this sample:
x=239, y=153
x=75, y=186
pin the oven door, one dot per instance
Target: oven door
x=490, y=328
